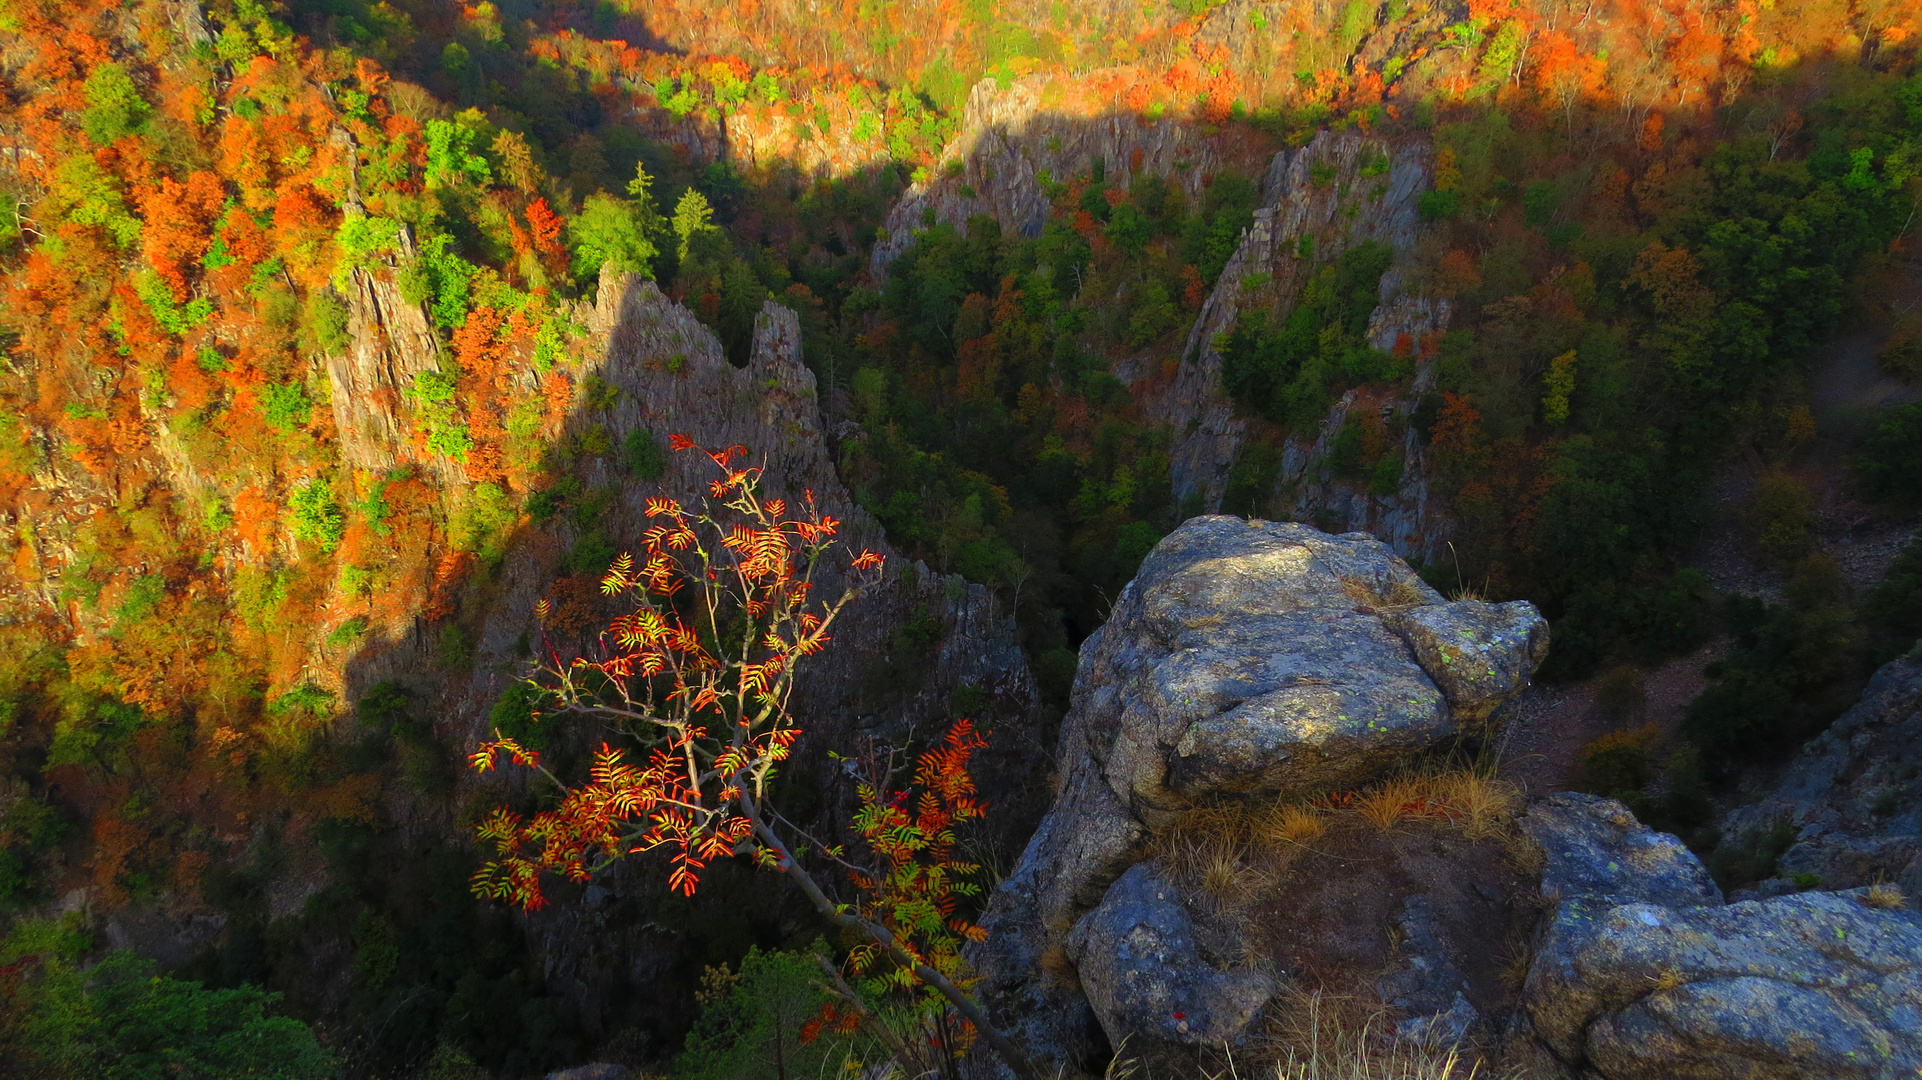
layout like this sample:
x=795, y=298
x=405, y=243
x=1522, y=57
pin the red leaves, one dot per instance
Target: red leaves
x=544, y=227
x=917, y=879
x=710, y=702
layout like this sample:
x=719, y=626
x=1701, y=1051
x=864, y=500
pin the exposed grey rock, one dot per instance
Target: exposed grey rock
x=1477, y=653
x=1819, y=984
x=371, y=382
x=1144, y=976
x=1368, y=192
x=1247, y=657
x=1009, y=136
x=1429, y=985
x=1854, y=793
x=1593, y=847
x=1643, y=973
x=672, y=377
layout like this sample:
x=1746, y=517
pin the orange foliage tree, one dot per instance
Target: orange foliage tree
x=699, y=671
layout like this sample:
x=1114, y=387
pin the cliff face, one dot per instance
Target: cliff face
x=1012, y=135
x=372, y=381
x=1853, y=797
x=1318, y=201
x=897, y=659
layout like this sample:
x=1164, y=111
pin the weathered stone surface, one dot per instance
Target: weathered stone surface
x=1145, y=977
x=371, y=382
x=1594, y=847
x=1476, y=653
x=1011, y=135
x=1818, y=984
x=1854, y=793
x=1643, y=973
x=1247, y=657
x=1428, y=985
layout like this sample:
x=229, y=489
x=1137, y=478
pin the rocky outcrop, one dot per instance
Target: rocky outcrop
x=1144, y=973
x=1246, y=658
x=1013, y=136
x=1854, y=794
x=1644, y=974
x=670, y=376
x=1318, y=201
x=1429, y=986
x=372, y=380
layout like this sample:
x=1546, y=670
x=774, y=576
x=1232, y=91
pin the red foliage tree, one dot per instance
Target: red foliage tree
x=700, y=670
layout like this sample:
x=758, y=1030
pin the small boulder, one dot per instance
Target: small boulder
x=1145, y=977
x=1476, y=653
x=1593, y=847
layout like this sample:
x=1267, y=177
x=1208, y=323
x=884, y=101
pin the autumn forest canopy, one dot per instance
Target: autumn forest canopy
x=311, y=448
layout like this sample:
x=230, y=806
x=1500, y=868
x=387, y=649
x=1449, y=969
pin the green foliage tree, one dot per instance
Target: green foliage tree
x=118, y=1020
x=1889, y=468
x=753, y=1021
x=692, y=218
x=115, y=108
x=318, y=518
x=609, y=230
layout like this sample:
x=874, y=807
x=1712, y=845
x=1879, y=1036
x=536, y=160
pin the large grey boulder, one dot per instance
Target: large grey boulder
x=1144, y=974
x=1247, y=657
x=1643, y=974
x=1853, y=796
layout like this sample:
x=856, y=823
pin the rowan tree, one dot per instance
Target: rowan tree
x=696, y=676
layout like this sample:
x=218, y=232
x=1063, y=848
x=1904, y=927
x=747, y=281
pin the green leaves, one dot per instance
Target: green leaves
x=115, y=108
x=120, y=1021
x=318, y=519
x=451, y=160
x=612, y=230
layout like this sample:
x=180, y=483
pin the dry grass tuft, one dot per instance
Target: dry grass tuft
x=1391, y=802
x=1481, y=803
x=1292, y=825
x=1331, y=1038
x=1667, y=979
x=1219, y=866
x=1885, y=896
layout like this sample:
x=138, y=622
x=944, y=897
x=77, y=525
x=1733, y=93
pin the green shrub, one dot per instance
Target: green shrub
x=115, y=108
x=1438, y=205
x=750, y=1025
x=324, y=323
x=1780, y=518
x=1889, y=469
x=119, y=1020
x=286, y=405
x=646, y=460
x=318, y=519
x=1895, y=605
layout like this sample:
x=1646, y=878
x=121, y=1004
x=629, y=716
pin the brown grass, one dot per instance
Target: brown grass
x=1292, y=824
x=1482, y=804
x=1325, y=1037
x=1667, y=979
x=1393, y=801
x=1885, y=896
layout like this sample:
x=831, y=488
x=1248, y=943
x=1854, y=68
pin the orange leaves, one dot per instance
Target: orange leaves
x=914, y=884
x=544, y=227
x=699, y=668
x=179, y=224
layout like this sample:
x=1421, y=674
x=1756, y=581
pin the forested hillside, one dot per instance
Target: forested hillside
x=297, y=378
